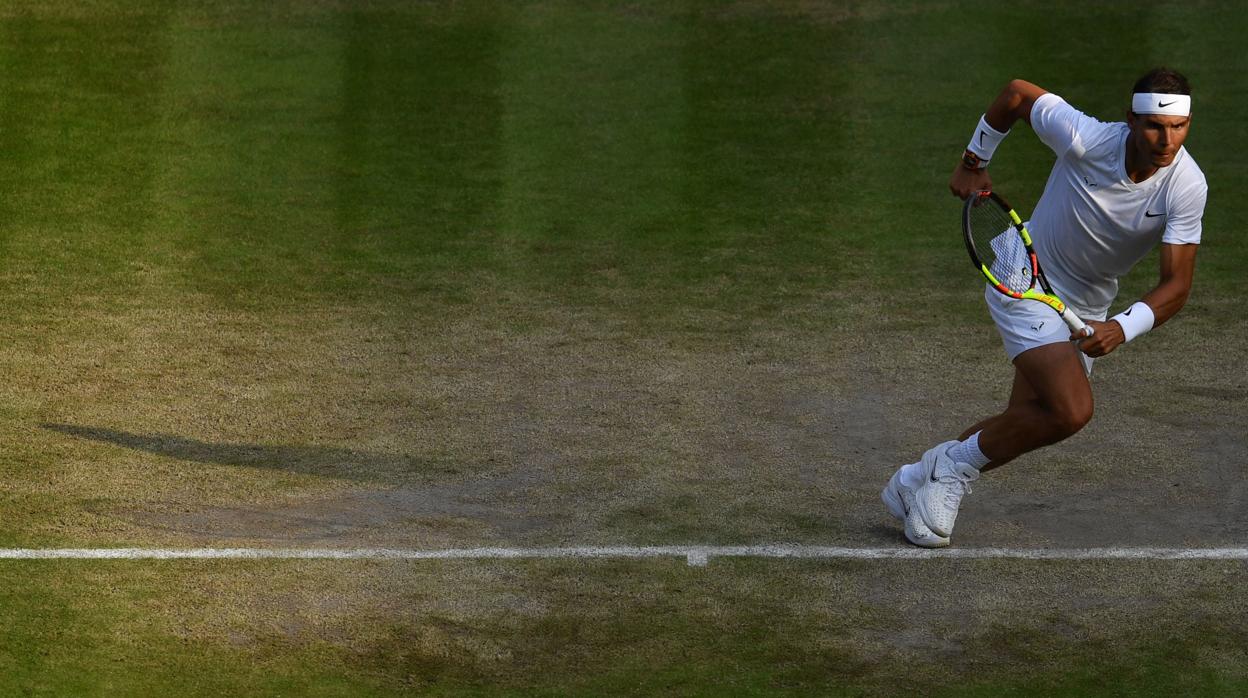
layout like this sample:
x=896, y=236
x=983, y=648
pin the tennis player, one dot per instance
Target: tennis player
x=1116, y=191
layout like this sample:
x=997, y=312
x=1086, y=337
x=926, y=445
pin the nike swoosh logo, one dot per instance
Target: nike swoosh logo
x=1128, y=311
x=981, y=139
x=1153, y=215
x=1166, y=104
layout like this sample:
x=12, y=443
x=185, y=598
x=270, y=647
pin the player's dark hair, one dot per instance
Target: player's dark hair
x=1163, y=81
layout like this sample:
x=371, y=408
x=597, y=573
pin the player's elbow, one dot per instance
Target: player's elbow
x=1020, y=95
x=1016, y=86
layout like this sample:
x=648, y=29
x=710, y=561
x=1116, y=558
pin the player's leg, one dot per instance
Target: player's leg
x=1020, y=394
x=1022, y=398
x=1051, y=400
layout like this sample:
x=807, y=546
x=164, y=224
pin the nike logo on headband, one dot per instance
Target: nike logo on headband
x=1165, y=104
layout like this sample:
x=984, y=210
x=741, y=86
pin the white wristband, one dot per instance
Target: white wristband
x=985, y=141
x=1135, y=320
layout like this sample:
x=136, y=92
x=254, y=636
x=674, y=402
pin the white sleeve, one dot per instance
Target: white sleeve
x=1186, y=208
x=1063, y=128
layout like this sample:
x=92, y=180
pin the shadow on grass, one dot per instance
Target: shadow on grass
x=313, y=460
x=415, y=496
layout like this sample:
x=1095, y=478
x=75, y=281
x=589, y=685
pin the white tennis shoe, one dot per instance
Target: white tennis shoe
x=938, y=500
x=900, y=501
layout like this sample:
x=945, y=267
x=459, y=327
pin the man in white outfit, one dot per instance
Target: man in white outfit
x=1116, y=191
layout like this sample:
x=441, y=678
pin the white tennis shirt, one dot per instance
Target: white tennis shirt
x=1093, y=223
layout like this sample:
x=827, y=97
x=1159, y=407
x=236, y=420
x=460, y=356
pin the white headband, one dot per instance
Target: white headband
x=1157, y=103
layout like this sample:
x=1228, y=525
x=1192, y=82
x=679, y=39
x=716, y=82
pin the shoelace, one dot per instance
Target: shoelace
x=962, y=474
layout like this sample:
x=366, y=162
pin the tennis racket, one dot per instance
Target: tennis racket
x=1001, y=249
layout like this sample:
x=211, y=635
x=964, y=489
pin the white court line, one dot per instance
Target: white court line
x=695, y=556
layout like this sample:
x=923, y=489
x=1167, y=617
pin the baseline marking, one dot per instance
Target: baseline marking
x=695, y=556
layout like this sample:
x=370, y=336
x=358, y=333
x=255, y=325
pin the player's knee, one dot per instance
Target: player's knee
x=1069, y=419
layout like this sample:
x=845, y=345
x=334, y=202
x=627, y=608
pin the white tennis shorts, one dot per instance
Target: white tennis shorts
x=1026, y=324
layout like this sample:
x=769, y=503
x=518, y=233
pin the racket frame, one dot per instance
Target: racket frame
x=1047, y=297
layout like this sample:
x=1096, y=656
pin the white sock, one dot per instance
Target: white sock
x=968, y=452
x=912, y=475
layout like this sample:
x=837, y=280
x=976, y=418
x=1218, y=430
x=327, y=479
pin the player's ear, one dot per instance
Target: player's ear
x=1130, y=118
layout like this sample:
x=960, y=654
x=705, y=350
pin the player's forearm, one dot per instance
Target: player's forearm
x=1178, y=268
x=1167, y=299
x=1014, y=103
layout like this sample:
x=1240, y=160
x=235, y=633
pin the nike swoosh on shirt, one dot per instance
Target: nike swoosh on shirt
x=1148, y=214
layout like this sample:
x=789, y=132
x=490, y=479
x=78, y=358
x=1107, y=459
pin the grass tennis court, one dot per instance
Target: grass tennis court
x=447, y=275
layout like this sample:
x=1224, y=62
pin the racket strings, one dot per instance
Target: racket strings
x=1000, y=247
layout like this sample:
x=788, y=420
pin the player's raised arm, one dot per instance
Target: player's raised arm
x=1014, y=103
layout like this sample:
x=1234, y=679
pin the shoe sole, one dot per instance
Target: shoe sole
x=933, y=542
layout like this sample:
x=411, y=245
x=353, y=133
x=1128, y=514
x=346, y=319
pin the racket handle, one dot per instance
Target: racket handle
x=1076, y=325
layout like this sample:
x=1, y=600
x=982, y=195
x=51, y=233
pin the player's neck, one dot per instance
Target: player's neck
x=1138, y=166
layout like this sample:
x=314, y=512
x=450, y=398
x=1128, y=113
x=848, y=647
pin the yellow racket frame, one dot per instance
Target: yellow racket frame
x=1076, y=325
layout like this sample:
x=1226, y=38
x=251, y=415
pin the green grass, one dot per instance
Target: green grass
x=563, y=273
x=530, y=629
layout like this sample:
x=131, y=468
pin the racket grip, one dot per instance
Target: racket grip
x=1076, y=325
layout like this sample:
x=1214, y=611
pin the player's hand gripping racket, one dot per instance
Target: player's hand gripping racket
x=1001, y=249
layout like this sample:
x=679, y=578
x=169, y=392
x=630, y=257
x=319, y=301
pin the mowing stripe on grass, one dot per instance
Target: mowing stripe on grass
x=696, y=556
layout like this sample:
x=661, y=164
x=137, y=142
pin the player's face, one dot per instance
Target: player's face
x=1157, y=138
